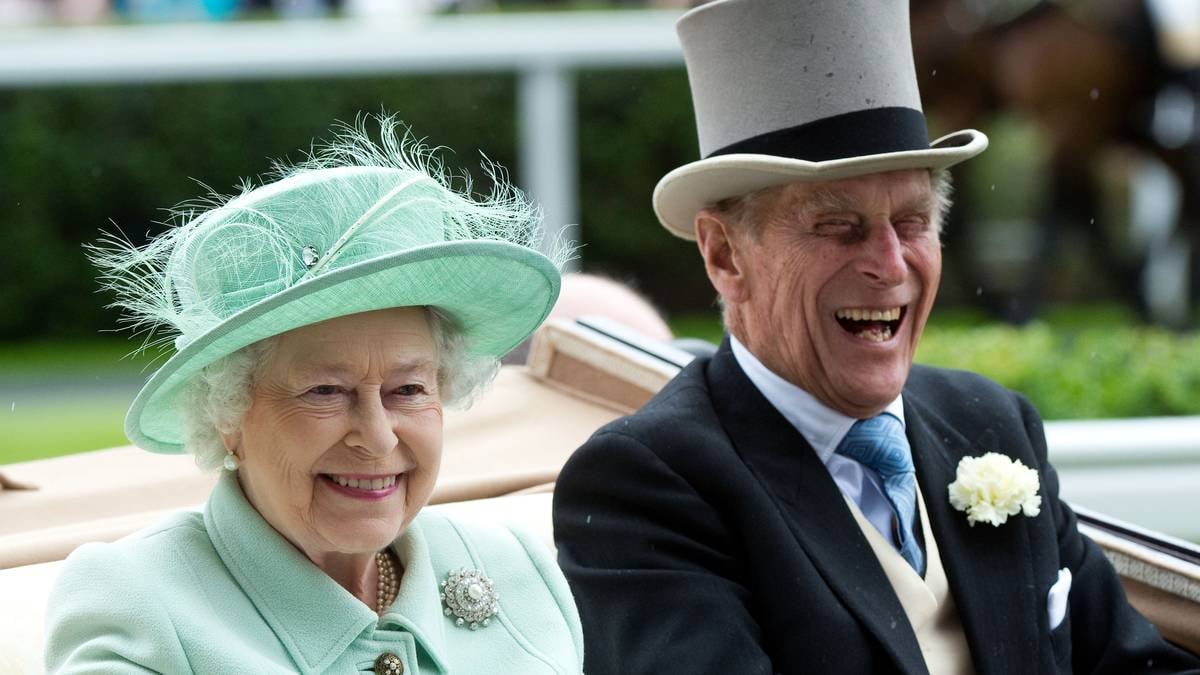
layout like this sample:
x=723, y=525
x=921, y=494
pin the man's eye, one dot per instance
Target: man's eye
x=911, y=226
x=843, y=230
x=834, y=225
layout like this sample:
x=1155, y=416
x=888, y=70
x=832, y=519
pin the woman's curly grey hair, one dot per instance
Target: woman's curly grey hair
x=218, y=397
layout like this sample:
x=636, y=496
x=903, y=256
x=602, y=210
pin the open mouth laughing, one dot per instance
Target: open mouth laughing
x=873, y=324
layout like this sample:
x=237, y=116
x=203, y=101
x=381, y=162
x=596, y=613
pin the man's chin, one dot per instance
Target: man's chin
x=867, y=397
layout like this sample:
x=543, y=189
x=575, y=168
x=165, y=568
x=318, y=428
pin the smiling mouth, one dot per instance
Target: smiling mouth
x=368, y=487
x=872, y=324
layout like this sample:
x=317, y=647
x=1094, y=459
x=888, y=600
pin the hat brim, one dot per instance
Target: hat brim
x=686, y=190
x=497, y=292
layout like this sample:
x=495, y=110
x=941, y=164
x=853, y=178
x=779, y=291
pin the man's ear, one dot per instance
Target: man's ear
x=724, y=257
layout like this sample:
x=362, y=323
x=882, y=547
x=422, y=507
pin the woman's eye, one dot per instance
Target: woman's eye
x=410, y=390
x=324, y=390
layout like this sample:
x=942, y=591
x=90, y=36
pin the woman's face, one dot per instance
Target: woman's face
x=342, y=442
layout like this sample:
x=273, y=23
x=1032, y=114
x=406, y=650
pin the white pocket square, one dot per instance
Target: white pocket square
x=1056, y=601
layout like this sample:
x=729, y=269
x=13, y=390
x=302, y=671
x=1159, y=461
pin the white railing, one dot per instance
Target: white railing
x=1145, y=471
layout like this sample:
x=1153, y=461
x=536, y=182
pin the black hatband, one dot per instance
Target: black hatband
x=855, y=134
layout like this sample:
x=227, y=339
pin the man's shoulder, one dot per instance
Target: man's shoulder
x=933, y=382
x=682, y=407
x=963, y=395
x=678, y=432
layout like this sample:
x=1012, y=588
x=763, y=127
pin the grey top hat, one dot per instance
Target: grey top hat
x=791, y=90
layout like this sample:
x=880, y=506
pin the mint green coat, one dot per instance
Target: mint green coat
x=223, y=592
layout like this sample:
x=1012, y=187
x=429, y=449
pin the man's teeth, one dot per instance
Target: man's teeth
x=858, y=314
x=877, y=335
x=365, y=484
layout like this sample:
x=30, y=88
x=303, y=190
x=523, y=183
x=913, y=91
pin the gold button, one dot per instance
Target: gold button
x=389, y=664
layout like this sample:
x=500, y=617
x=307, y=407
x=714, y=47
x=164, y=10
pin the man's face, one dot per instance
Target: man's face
x=839, y=279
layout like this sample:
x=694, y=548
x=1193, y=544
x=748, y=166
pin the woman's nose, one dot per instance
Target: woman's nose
x=371, y=429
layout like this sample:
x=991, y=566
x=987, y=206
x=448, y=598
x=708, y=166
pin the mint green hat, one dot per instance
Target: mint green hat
x=355, y=228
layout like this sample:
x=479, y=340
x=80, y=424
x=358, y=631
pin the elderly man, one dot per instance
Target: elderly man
x=808, y=501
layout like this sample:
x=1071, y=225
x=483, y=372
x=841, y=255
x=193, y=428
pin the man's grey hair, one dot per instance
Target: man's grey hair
x=746, y=210
x=217, y=398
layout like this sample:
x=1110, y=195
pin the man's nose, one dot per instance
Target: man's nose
x=371, y=427
x=882, y=260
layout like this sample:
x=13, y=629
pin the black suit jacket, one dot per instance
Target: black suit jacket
x=703, y=535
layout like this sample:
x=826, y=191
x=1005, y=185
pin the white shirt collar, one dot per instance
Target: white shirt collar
x=823, y=427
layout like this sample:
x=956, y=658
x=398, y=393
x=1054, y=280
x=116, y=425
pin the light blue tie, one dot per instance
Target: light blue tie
x=879, y=443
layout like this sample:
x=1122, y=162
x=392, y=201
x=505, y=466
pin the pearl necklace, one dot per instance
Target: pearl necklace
x=388, y=583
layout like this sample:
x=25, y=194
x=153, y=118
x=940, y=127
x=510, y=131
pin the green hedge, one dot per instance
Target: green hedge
x=1084, y=373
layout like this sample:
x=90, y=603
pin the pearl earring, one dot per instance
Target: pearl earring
x=231, y=462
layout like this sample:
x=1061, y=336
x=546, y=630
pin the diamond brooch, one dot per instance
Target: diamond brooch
x=470, y=598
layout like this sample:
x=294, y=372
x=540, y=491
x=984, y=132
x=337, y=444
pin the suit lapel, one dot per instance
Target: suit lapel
x=983, y=564
x=801, y=486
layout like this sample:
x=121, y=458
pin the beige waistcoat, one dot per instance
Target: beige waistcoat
x=927, y=602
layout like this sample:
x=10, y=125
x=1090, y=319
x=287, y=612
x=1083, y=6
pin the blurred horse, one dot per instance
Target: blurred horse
x=1091, y=75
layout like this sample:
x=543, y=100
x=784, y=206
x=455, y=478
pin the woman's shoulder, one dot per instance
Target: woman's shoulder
x=493, y=529
x=179, y=534
x=501, y=537
x=527, y=580
x=134, y=568
x=108, y=593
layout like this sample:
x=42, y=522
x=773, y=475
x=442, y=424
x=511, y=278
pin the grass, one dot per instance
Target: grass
x=54, y=429
x=55, y=400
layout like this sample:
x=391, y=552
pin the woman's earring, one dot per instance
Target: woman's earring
x=231, y=461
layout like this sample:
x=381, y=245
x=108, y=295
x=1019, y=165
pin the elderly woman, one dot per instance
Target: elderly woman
x=322, y=321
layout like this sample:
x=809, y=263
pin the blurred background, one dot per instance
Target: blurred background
x=1072, y=269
